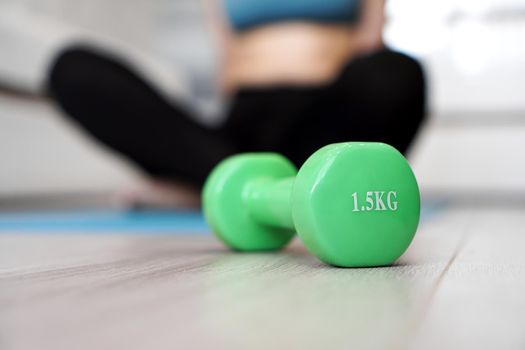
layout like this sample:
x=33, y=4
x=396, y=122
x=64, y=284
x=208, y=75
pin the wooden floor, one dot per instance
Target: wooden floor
x=461, y=285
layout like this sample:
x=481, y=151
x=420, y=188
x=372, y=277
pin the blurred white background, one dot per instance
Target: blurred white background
x=474, y=53
x=474, y=50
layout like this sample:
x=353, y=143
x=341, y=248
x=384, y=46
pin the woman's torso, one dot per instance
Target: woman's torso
x=288, y=41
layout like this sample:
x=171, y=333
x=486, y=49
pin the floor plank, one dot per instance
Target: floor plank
x=136, y=292
x=480, y=302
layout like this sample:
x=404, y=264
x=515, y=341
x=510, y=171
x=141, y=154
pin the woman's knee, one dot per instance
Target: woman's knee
x=392, y=76
x=389, y=85
x=81, y=74
x=386, y=97
x=405, y=77
x=71, y=69
x=400, y=62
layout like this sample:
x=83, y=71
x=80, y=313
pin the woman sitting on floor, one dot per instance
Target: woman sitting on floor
x=299, y=74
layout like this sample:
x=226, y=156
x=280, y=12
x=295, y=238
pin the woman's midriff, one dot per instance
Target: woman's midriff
x=293, y=53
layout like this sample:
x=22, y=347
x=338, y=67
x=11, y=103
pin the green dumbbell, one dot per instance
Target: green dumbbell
x=352, y=204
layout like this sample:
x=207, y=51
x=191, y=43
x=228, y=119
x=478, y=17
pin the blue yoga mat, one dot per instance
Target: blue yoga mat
x=104, y=222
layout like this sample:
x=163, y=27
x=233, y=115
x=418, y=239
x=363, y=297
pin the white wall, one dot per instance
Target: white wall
x=474, y=50
x=33, y=31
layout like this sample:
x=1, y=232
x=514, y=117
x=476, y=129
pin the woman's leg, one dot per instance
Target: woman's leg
x=122, y=111
x=381, y=97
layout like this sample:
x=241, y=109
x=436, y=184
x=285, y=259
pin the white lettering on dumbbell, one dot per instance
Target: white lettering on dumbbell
x=392, y=204
x=374, y=201
x=379, y=200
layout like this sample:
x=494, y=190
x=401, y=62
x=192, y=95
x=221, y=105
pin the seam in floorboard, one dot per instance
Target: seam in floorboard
x=427, y=302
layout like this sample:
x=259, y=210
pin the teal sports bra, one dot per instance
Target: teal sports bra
x=246, y=14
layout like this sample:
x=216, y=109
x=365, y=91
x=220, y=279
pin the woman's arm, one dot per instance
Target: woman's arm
x=223, y=36
x=369, y=29
x=219, y=26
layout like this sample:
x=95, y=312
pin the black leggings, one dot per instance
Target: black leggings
x=380, y=97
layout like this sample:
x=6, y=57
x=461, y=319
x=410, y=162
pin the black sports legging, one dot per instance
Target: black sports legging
x=379, y=97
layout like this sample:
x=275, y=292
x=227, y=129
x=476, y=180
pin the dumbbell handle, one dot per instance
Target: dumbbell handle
x=269, y=201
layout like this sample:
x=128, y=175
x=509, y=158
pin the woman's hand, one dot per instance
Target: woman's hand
x=369, y=31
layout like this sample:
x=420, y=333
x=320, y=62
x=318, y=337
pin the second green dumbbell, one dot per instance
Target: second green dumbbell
x=352, y=204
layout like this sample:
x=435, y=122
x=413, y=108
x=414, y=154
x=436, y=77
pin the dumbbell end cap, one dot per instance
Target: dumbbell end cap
x=225, y=206
x=356, y=204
